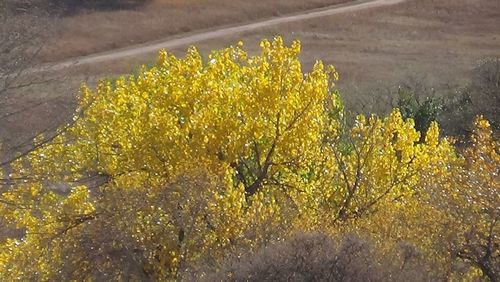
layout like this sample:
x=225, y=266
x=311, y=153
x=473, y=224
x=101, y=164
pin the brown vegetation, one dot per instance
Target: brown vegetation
x=22, y=30
x=317, y=257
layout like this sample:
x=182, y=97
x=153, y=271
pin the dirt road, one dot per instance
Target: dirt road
x=213, y=34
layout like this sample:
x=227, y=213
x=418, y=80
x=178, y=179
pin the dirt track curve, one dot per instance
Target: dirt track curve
x=154, y=46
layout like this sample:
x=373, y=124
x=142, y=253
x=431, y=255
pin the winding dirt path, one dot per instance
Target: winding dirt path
x=212, y=34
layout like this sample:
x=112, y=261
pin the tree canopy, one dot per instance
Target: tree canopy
x=197, y=159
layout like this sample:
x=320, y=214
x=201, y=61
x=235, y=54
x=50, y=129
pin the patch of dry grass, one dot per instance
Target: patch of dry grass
x=95, y=31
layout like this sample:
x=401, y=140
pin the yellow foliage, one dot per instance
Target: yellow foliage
x=193, y=160
x=253, y=120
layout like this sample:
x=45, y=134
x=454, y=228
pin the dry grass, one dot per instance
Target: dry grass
x=94, y=31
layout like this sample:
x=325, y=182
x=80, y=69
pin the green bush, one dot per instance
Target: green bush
x=422, y=112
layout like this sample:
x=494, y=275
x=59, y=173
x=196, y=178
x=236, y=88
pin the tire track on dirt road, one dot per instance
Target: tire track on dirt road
x=154, y=46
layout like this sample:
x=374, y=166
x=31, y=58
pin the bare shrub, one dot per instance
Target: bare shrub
x=75, y=6
x=481, y=96
x=484, y=90
x=24, y=27
x=317, y=257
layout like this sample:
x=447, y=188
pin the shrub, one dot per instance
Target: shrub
x=422, y=112
x=317, y=257
x=72, y=6
x=480, y=96
x=484, y=90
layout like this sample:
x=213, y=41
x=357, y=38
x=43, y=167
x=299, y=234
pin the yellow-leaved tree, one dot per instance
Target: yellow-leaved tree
x=183, y=154
x=193, y=160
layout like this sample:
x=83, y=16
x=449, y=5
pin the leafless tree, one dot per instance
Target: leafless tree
x=22, y=29
x=24, y=26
